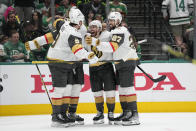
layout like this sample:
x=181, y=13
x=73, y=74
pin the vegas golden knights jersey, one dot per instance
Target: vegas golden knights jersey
x=121, y=44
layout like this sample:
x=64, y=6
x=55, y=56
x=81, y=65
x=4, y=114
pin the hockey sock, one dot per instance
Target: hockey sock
x=110, y=101
x=123, y=102
x=66, y=99
x=64, y=108
x=132, y=101
x=73, y=104
x=75, y=93
x=99, y=103
x=100, y=107
x=56, y=109
x=57, y=100
x=132, y=106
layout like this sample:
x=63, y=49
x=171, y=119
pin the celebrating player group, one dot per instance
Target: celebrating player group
x=70, y=43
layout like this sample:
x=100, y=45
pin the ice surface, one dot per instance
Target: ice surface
x=149, y=122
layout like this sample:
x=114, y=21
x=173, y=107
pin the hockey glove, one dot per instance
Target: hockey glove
x=88, y=40
x=96, y=51
x=93, y=59
x=27, y=46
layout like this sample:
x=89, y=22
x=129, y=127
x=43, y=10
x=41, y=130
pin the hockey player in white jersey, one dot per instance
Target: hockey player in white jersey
x=122, y=46
x=179, y=12
x=102, y=76
x=66, y=47
x=79, y=74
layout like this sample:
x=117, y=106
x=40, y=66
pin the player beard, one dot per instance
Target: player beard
x=112, y=27
x=93, y=33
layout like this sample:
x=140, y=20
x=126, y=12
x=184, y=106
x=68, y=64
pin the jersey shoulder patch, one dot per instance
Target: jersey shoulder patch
x=73, y=40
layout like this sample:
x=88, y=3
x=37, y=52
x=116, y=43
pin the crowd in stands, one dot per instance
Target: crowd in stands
x=180, y=16
x=24, y=20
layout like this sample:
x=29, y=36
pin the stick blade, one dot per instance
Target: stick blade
x=163, y=77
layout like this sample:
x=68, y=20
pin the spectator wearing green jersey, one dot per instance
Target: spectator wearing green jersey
x=64, y=8
x=118, y=6
x=14, y=49
x=178, y=12
x=43, y=7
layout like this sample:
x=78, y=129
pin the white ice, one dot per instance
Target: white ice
x=149, y=122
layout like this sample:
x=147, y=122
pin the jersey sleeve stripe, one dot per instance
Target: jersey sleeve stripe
x=112, y=46
x=46, y=38
x=49, y=38
x=77, y=50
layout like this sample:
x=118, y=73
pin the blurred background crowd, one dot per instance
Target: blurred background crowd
x=24, y=20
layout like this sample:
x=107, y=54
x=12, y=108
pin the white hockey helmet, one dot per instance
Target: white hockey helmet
x=96, y=23
x=75, y=16
x=115, y=16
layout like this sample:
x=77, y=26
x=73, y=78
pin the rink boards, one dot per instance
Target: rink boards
x=23, y=92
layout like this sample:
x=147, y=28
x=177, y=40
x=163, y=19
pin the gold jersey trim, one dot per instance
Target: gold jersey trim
x=76, y=47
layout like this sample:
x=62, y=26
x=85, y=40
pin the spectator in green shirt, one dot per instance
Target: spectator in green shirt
x=64, y=8
x=43, y=7
x=118, y=6
x=14, y=49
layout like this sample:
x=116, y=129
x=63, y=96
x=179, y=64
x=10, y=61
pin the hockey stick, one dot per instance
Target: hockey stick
x=28, y=52
x=43, y=83
x=1, y=87
x=142, y=41
x=169, y=49
x=161, y=78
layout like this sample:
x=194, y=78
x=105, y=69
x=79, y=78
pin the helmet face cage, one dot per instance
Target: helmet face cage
x=115, y=16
